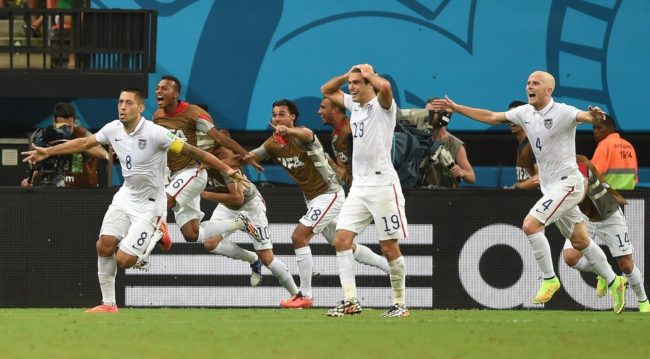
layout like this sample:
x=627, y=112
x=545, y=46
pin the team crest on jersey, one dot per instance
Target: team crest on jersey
x=142, y=143
x=548, y=123
x=369, y=109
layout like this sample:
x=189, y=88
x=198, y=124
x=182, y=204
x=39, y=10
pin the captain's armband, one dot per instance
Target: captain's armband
x=176, y=146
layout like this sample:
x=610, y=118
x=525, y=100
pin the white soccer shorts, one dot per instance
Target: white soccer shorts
x=560, y=205
x=322, y=210
x=186, y=186
x=134, y=229
x=255, y=209
x=383, y=204
x=613, y=233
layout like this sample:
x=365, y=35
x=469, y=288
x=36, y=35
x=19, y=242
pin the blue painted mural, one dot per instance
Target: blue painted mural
x=239, y=56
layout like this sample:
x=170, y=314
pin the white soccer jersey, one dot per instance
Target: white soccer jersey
x=143, y=156
x=552, y=135
x=372, y=140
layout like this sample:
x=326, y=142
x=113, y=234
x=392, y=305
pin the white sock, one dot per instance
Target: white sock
x=211, y=229
x=366, y=256
x=347, y=267
x=583, y=265
x=280, y=271
x=229, y=249
x=305, y=264
x=106, y=272
x=636, y=282
x=598, y=261
x=398, y=280
x=542, y=253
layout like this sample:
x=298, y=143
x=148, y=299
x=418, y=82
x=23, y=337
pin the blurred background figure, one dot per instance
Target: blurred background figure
x=334, y=116
x=526, y=167
x=76, y=170
x=614, y=158
x=450, y=172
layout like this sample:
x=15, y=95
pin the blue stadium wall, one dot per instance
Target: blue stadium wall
x=239, y=56
x=465, y=250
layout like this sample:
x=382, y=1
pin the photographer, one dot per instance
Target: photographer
x=449, y=165
x=76, y=170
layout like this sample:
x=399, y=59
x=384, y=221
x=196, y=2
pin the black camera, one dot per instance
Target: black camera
x=423, y=118
x=52, y=170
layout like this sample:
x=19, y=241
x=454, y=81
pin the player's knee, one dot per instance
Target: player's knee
x=266, y=256
x=171, y=202
x=106, y=246
x=571, y=256
x=390, y=249
x=124, y=260
x=190, y=233
x=579, y=240
x=531, y=226
x=626, y=264
x=299, y=240
x=211, y=244
x=343, y=240
x=342, y=244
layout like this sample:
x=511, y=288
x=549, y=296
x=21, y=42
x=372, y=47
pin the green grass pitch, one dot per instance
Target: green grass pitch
x=275, y=333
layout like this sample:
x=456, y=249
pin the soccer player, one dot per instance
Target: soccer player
x=236, y=200
x=334, y=115
x=301, y=154
x=187, y=180
x=132, y=220
x=551, y=129
x=376, y=192
x=607, y=224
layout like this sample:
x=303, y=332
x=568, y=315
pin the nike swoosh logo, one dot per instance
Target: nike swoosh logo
x=391, y=233
x=118, y=139
x=538, y=211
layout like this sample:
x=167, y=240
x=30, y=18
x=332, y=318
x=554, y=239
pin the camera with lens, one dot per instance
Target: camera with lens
x=51, y=170
x=443, y=157
x=423, y=119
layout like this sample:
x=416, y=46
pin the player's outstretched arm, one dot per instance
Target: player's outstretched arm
x=477, y=114
x=207, y=159
x=234, y=146
x=234, y=197
x=592, y=115
x=98, y=152
x=303, y=134
x=73, y=146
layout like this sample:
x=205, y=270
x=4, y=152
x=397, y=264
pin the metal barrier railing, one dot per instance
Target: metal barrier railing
x=81, y=40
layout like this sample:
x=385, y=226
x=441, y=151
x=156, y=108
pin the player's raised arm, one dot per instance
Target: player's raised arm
x=380, y=84
x=332, y=88
x=477, y=114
